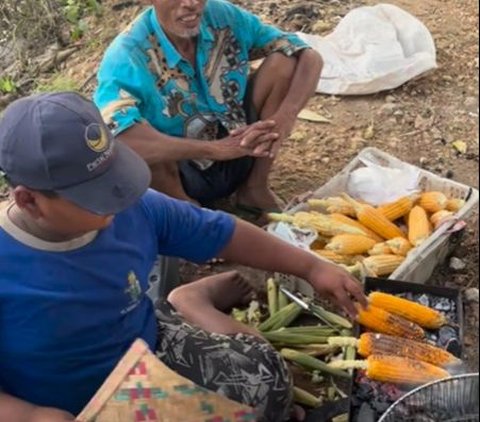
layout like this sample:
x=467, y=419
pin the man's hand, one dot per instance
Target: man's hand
x=254, y=140
x=48, y=414
x=339, y=286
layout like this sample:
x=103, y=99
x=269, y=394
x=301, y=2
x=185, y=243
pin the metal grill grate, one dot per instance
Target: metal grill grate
x=453, y=399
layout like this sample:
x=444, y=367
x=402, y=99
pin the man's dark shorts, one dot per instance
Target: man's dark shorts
x=223, y=178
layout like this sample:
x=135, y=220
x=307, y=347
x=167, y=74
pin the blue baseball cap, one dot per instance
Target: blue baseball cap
x=59, y=142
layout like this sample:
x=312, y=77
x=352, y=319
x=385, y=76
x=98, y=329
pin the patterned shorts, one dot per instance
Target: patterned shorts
x=240, y=367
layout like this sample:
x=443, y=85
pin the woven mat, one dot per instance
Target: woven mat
x=143, y=389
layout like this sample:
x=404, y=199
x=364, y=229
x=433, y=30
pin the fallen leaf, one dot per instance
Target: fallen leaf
x=460, y=146
x=369, y=132
x=311, y=116
x=297, y=136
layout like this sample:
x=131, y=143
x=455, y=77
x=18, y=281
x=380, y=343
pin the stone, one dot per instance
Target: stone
x=471, y=295
x=457, y=264
x=390, y=99
x=387, y=109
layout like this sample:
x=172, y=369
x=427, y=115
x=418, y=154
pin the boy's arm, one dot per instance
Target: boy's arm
x=255, y=248
x=13, y=409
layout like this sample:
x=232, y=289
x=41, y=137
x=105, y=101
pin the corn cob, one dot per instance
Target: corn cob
x=419, y=228
x=433, y=201
x=380, y=249
x=305, y=398
x=321, y=223
x=350, y=221
x=350, y=244
x=399, y=246
x=334, y=257
x=282, y=300
x=333, y=205
x=395, y=369
x=455, y=205
x=422, y=315
x=330, y=318
x=283, y=318
x=272, y=296
x=384, y=322
x=382, y=264
x=441, y=217
x=382, y=344
x=375, y=220
x=311, y=363
x=394, y=210
x=287, y=339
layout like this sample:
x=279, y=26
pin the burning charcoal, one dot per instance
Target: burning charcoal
x=366, y=413
x=424, y=300
x=443, y=305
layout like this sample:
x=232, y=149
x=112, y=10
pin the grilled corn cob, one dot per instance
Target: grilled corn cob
x=455, y=205
x=382, y=264
x=395, y=369
x=350, y=244
x=433, y=201
x=399, y=246
x=419, y=228
x=422, y=315
x=441, y=217
x=375, y=220
x=350, y=221
x=384, y=322
x=380, y=249
x=323, y=224
x=333, y=205
x=399, y=208
x=382, y=344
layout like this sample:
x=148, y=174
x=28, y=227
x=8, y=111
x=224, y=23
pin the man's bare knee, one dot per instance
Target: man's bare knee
x=278, y=66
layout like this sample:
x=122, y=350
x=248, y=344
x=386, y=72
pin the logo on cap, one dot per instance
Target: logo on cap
x=96, y=137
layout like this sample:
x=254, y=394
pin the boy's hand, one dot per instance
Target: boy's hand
x=49, y=414
x=339, y=286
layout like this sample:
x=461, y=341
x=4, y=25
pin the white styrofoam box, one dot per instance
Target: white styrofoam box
x=421, y=261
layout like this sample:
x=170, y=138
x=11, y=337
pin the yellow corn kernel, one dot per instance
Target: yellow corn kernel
x=419, y=228
x=399, y=246
x=380, y=265
x=350, y=244
x=383, y=344
x=399, y=208
x=355, y=223
x=433, y=201
x=334, y=257
x=441, y=217
x=333, y=205
x=455, y=205
x=384, y=322
x=422, y=315
x=375, y=220
x=380, y=249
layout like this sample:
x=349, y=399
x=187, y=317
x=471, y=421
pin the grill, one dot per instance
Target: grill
x=453, y=399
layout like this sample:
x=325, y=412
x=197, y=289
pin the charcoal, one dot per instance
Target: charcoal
x=442, y=304
x=381, y=406
x=364, y=391
x=424, y=300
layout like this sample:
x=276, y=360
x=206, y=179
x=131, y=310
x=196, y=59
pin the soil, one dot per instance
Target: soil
x=417, y=122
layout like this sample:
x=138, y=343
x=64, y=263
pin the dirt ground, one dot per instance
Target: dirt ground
x=417, y=123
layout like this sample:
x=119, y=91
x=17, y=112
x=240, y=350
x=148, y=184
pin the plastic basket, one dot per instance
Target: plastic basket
x=421, y=262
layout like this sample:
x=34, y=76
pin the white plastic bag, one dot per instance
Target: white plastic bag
x=372, y=49
x=378, y=185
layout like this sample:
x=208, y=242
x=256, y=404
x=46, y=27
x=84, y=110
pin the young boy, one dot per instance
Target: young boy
x=77, y=243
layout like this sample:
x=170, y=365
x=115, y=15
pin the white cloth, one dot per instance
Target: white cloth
x=372, y=49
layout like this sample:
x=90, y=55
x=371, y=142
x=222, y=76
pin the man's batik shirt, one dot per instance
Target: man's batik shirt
x=143, y=77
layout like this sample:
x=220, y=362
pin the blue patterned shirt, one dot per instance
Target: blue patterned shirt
x=143, y=77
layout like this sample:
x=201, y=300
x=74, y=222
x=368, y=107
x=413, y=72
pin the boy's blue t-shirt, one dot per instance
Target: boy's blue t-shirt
x=68, y=315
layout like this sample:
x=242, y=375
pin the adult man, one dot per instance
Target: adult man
x=179, y=74
x=76, y=246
